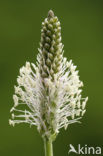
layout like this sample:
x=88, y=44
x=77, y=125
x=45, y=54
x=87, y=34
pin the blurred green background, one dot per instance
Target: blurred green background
x=82, y=33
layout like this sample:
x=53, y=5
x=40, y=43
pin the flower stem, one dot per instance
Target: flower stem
x=48, y=147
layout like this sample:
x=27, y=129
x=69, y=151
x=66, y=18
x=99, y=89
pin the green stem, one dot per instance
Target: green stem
x=48, y=147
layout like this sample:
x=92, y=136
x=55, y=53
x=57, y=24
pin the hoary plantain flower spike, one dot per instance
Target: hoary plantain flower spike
x=48, y=94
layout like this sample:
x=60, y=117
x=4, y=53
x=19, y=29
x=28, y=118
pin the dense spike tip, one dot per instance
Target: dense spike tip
x=50, y=14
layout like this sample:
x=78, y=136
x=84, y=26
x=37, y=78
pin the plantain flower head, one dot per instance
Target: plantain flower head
x=48, y=93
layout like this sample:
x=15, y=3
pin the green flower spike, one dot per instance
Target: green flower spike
x=49, y=91
x=51, y=48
